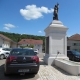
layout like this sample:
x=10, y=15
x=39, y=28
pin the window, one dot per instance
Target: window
x=22, y=52
x=6, y=49
x=27, y=45
x=74, y=44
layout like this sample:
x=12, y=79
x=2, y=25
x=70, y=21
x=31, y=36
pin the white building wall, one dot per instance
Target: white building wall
x=6, y=44
x=36, y=46
x=72, y=47
x=39, y=47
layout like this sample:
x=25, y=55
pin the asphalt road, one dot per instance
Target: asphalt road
x=41, y=55
x=17, y=77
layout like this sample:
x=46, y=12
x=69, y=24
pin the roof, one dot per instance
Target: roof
x=22, y=48
x=75, y=37
x=6, y=38
x=30, y=41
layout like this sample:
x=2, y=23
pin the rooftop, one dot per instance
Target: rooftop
x=30, y=41
x=75, y=37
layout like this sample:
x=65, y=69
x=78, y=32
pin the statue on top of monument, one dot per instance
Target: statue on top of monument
x=56, y=12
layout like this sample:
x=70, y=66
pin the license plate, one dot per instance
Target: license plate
x=23, y=70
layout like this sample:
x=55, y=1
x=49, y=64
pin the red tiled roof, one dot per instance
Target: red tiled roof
x=30, y=41
x=4, y=37
x=75, y=37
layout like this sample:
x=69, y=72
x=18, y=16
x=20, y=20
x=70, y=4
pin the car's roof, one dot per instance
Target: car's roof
x=23, y=48
x=73, y=51
x=5, y=48
x=70, y=50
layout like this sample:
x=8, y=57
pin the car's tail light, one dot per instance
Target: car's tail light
x=35, y=58
x=11, y=58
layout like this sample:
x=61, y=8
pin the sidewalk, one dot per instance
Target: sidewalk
x=47, y=72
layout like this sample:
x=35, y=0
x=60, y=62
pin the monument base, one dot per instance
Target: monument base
x=51, y=60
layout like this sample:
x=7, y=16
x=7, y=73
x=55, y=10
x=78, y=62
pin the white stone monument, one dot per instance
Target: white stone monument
x=55, y=42
x=56, y=46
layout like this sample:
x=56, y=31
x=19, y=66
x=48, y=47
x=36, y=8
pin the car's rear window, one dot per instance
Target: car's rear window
x=22, y=52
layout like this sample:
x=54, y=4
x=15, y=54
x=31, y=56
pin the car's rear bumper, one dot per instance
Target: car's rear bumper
x=15, y=68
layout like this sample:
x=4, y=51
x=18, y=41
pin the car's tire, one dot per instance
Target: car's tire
x=2, y=56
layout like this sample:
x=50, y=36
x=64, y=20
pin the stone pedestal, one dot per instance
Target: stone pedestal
x=55, y=42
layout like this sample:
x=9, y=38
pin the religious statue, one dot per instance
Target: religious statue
x=56, y=12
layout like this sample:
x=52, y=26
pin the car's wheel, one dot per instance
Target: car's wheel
x=2, y=56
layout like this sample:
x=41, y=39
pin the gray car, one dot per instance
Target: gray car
x=21, y=61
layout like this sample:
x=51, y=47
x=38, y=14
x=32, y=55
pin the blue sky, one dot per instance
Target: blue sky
x=33, y=16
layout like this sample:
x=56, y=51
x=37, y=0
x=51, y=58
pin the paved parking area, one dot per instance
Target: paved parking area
x=54, y=73
x=45, y=73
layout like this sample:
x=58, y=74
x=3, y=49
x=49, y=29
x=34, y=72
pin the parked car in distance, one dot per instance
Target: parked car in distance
x=21, y=60
x=4, y=52
x=73, y=55
x=36, y=51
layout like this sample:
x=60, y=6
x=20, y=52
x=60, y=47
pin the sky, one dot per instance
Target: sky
x=33, y=16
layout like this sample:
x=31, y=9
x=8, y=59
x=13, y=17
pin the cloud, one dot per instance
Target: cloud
x=39, y=31
x=34, y=12
x=8, y=26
